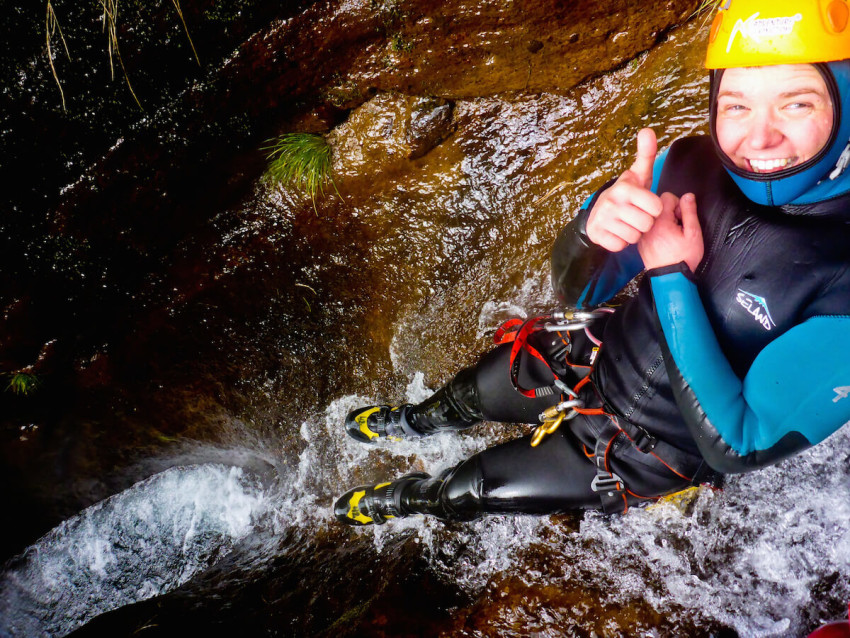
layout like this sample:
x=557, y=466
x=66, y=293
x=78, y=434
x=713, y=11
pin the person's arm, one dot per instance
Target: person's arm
x=585, y=275
x=786, y=402
x=589, y=268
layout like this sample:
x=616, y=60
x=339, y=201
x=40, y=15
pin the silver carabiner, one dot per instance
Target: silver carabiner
x=563, y=387
x=575, y=320
x=551, y=413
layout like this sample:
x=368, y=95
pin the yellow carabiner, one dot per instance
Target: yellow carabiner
x=547, y=427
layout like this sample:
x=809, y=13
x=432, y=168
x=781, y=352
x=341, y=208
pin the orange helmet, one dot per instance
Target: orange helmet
x=752, y=33
x=759, y=33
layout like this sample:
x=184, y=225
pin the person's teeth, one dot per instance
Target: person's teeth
x=768, y=165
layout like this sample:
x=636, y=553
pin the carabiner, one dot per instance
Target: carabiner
x=547, y=427
x=552, y=418
x=575, y=320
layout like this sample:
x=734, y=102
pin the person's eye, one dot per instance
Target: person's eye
x=733, y=109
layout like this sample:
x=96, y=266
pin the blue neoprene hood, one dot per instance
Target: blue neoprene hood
x=810, y=181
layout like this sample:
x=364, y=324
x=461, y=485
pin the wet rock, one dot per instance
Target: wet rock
x=386, y=132
x=193, y=288
x=373, y=138
x=460, y=49
x=94, y=372
x=429, y=124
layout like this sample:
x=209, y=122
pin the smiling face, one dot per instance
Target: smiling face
x=773, y=117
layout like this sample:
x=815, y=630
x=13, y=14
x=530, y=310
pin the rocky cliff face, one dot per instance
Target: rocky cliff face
x=308, y=71
x=169, y=175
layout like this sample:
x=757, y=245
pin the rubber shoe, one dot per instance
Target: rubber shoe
x=374, y=504
x=375, y=423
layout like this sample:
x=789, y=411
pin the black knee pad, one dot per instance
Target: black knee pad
x=460, y=494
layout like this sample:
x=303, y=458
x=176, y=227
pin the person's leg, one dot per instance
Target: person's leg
x=511, y=478
x=514, y=478
x=484, y=391
x=480, y=392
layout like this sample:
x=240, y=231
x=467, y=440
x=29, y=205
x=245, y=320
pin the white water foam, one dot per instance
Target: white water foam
x=143, y=542
x=755, y=557
x=766, y=556
x=332, y=462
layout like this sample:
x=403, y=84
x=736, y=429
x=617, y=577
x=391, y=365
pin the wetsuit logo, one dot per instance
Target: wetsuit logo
x=757, y=307
x=841, y=392
x=755, y=29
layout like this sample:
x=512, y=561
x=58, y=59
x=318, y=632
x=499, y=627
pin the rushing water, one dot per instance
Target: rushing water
x=138, y=544
x=420, y=264
x=767, y=556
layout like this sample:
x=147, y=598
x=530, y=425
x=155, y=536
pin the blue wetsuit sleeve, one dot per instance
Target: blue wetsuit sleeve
x=782, y=406
x=585, y=275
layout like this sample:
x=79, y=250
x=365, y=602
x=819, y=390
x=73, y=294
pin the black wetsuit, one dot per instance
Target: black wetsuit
x=737, y=366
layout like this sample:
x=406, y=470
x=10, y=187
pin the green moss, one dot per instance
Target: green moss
x=342, y=92
x=302, y=160
x=400, y=44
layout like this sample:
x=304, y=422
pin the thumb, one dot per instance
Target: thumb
x=669, y=204
x=690, y=221
x=647, y=149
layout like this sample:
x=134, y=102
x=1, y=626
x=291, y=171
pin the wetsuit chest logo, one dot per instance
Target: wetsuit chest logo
x=757, y=307
x=841, y=392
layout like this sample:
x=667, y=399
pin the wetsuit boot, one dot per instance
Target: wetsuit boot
x=375, y=504
x=453, y=495
x=453, y=407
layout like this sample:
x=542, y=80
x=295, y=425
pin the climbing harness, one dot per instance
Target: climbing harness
x=517, y=331
x=615, y=432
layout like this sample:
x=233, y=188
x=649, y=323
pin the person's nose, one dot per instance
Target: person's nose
x=764, y=132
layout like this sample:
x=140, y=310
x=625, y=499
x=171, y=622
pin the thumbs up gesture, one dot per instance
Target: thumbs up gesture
x=628, y=209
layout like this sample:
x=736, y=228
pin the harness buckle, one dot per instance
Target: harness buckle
x=645, y=442
x=610, y=484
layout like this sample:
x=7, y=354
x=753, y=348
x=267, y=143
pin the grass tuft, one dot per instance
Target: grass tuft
x=110, y=27
x=109, y=20
x=52, y=27
x=707, y=7
x=23, y=383
x=302, y=160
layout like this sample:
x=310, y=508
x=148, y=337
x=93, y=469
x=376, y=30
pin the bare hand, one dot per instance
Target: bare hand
x=676, y=235
x=628, y=208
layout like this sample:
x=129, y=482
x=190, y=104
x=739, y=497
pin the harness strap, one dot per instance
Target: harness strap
x=517, y=332
x=612, y=489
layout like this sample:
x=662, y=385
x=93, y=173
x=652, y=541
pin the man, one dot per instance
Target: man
x=735, y=351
